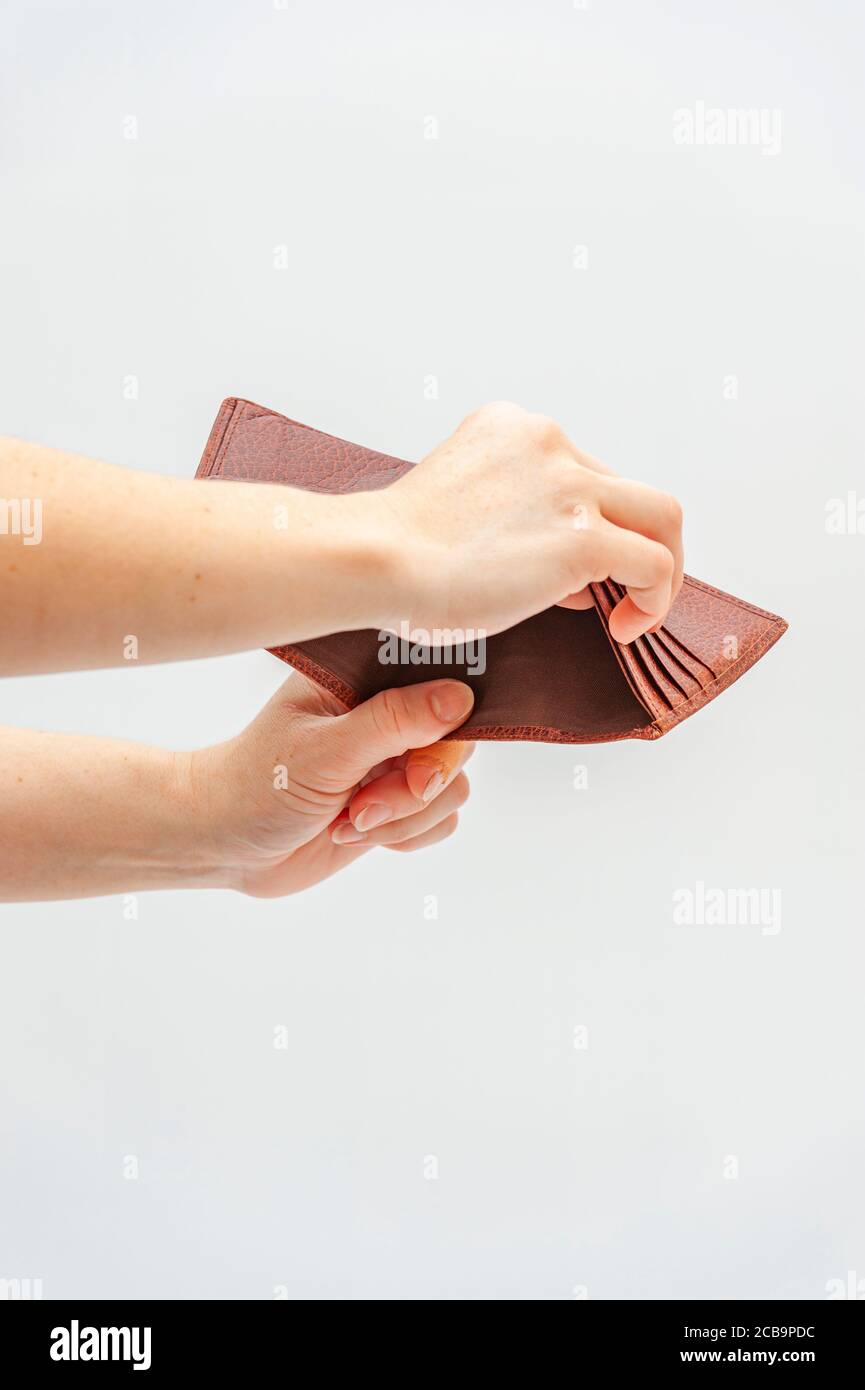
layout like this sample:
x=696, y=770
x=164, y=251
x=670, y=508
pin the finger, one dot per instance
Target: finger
x=628, y=622
x=439, y=832
x=394, y=832
x=651, y=513
x=402, y=791
x=643, y=566
x=429, y=770
x=392, y=722
x=378, y=771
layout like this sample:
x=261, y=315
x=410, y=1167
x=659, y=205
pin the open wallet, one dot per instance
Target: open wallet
x=558, y=677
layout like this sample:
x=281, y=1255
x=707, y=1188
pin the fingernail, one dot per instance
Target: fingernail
x=433, y=787
x=451, y=702
x=371, y=816
x=345, y=834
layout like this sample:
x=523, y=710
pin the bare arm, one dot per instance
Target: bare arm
x=83, y=816
x=100, y=564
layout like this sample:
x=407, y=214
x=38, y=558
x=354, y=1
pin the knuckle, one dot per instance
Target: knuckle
x=494, y=413
x=449, y=825
x=545, y=431
x=672, y=510
x=665, y=563
x=388, y=711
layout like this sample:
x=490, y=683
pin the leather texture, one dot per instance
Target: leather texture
x=559, y=677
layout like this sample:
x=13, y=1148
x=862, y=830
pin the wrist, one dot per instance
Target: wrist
x=190, y=818
x=375, y=561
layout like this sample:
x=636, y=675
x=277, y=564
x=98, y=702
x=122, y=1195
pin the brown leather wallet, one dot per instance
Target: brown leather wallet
x=558, y=677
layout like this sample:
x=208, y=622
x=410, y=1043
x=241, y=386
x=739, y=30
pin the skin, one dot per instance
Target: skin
x=502, y=520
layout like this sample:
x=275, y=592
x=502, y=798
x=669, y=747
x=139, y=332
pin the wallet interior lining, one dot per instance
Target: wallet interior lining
x=582, y=697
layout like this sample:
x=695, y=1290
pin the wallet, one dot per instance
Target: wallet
x=558, y=677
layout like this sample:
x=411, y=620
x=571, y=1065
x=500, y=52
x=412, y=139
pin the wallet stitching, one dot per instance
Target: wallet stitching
x=542, y=733
x=251, y=411
x=236, y=415
x=730, y=598
x=211, y=459
x=235, y=420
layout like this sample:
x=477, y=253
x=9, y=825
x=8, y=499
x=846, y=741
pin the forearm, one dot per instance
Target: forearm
x=132, y=566
x=84, y=816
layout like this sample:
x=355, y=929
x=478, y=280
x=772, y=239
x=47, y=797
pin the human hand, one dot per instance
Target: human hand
x=308, y=788
x=507, y=517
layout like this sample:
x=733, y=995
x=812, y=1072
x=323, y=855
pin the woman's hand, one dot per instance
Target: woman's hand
x=506, y=518
x=301, y=793
x=308, y=788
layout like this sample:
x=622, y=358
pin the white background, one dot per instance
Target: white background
x=558, y=1169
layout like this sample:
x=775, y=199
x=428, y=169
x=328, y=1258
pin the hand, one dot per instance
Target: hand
x=309, y=788
x=506, y=518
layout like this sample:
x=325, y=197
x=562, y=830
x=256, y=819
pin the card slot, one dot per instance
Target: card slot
x=604, y=605
x=674, y=689
x=687, y=681
x=704, y=674
x=678, y=647
x=697, y=670
x=647, y=689
x=674, y=680
x=669, y=697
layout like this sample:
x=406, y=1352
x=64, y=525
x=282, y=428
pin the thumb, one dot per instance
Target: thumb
x=394, y=721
